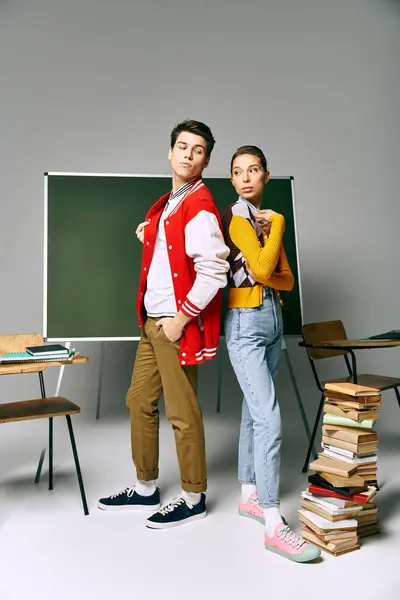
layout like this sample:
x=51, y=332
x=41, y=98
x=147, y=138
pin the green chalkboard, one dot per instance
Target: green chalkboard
x=92, y=257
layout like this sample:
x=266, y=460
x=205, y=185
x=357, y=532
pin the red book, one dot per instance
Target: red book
x=320, y=491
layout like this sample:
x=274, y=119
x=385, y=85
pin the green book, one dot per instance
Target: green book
x=346, y=422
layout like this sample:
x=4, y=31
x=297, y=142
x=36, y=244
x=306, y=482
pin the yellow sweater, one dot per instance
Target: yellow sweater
x=265, y=255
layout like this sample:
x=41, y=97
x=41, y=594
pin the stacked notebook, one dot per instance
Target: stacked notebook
x=48, y=353
x=338, y=507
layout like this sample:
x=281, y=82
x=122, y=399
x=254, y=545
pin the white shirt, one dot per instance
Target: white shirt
x=159, y=299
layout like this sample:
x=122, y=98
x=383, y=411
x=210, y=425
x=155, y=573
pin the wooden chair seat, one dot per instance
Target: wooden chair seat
x=380, y=382
x=42, y=408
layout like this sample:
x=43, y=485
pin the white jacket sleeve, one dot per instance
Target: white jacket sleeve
x=204, y=243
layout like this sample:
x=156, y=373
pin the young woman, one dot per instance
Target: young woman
x=258, y=270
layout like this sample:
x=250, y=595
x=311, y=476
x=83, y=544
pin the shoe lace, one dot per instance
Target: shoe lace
x=290, y=537
x=255, y=501
x=128, y=491
x=168, y=508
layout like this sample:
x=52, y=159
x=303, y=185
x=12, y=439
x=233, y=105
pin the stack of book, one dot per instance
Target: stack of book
x=339, y=505
x=48, y=353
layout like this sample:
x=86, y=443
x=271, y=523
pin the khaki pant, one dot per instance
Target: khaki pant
x=157, y=370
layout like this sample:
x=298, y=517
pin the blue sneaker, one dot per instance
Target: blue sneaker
x=128, y=499
x=177, y=512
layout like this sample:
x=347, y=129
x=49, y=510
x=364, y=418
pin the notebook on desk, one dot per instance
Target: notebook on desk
x=51, y=350
x=394, y=334
x=25, y=357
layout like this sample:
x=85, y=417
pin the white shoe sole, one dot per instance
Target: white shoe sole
x=133, y=508
x=152, y=525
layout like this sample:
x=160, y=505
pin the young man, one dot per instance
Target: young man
x=179, y=308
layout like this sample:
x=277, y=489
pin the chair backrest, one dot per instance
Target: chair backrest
x=19, y=342
x=325, y=331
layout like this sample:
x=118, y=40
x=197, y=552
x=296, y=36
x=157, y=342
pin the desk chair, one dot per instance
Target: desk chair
x=42, y=408
x=313, y=333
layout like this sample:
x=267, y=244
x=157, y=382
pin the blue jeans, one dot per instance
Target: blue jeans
x=253, y=338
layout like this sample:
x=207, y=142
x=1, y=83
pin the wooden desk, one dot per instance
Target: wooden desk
x=38, y=367
x=351, y=345
x=19, y=343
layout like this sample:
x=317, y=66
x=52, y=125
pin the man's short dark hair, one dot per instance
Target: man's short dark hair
x=255, y=151
x=197, y=128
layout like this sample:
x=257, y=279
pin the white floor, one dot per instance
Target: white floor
x=50, y=550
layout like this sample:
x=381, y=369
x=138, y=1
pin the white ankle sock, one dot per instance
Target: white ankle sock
x=247, y=490
x=273, y=517
x=191, y=496
x=145, y=488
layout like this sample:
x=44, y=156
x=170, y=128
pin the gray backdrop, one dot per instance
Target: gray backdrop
x=90, y=85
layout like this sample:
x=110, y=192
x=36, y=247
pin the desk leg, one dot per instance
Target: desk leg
x=298, y=398
x=100, y=383
x=51, y=453
x=43, y=452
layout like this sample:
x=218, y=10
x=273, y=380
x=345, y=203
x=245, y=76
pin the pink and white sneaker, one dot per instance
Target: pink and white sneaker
x=290, y=545
x=252, y=509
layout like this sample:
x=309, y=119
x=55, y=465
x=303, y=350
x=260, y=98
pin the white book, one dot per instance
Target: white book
x=359, y=460
x=341, y=503
x=328, y=525
x=342, y=451
x=330, y=507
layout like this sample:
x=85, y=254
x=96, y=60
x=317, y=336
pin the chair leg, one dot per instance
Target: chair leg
x=396, y=391
x=314, y=433
x=51, y=453
x=40, y=465
x=77, y=466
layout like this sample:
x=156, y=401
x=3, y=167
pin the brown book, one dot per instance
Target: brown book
x=350, y=413
x=368, y=478
x=354, y=435
x=352, y=403
x=367, y=468
x=332, y=547
x=354, y=481
x=318, y=510
x=358, y=449
x=346, y=551
x=364, y=531
x=363, y=400
x=367, y=516
x=352, y=389
x=370, y=475
x=338, y=534
x=324, y=464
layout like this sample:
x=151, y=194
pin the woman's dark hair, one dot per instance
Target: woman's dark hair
x=255, y=151
x=197, y=128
